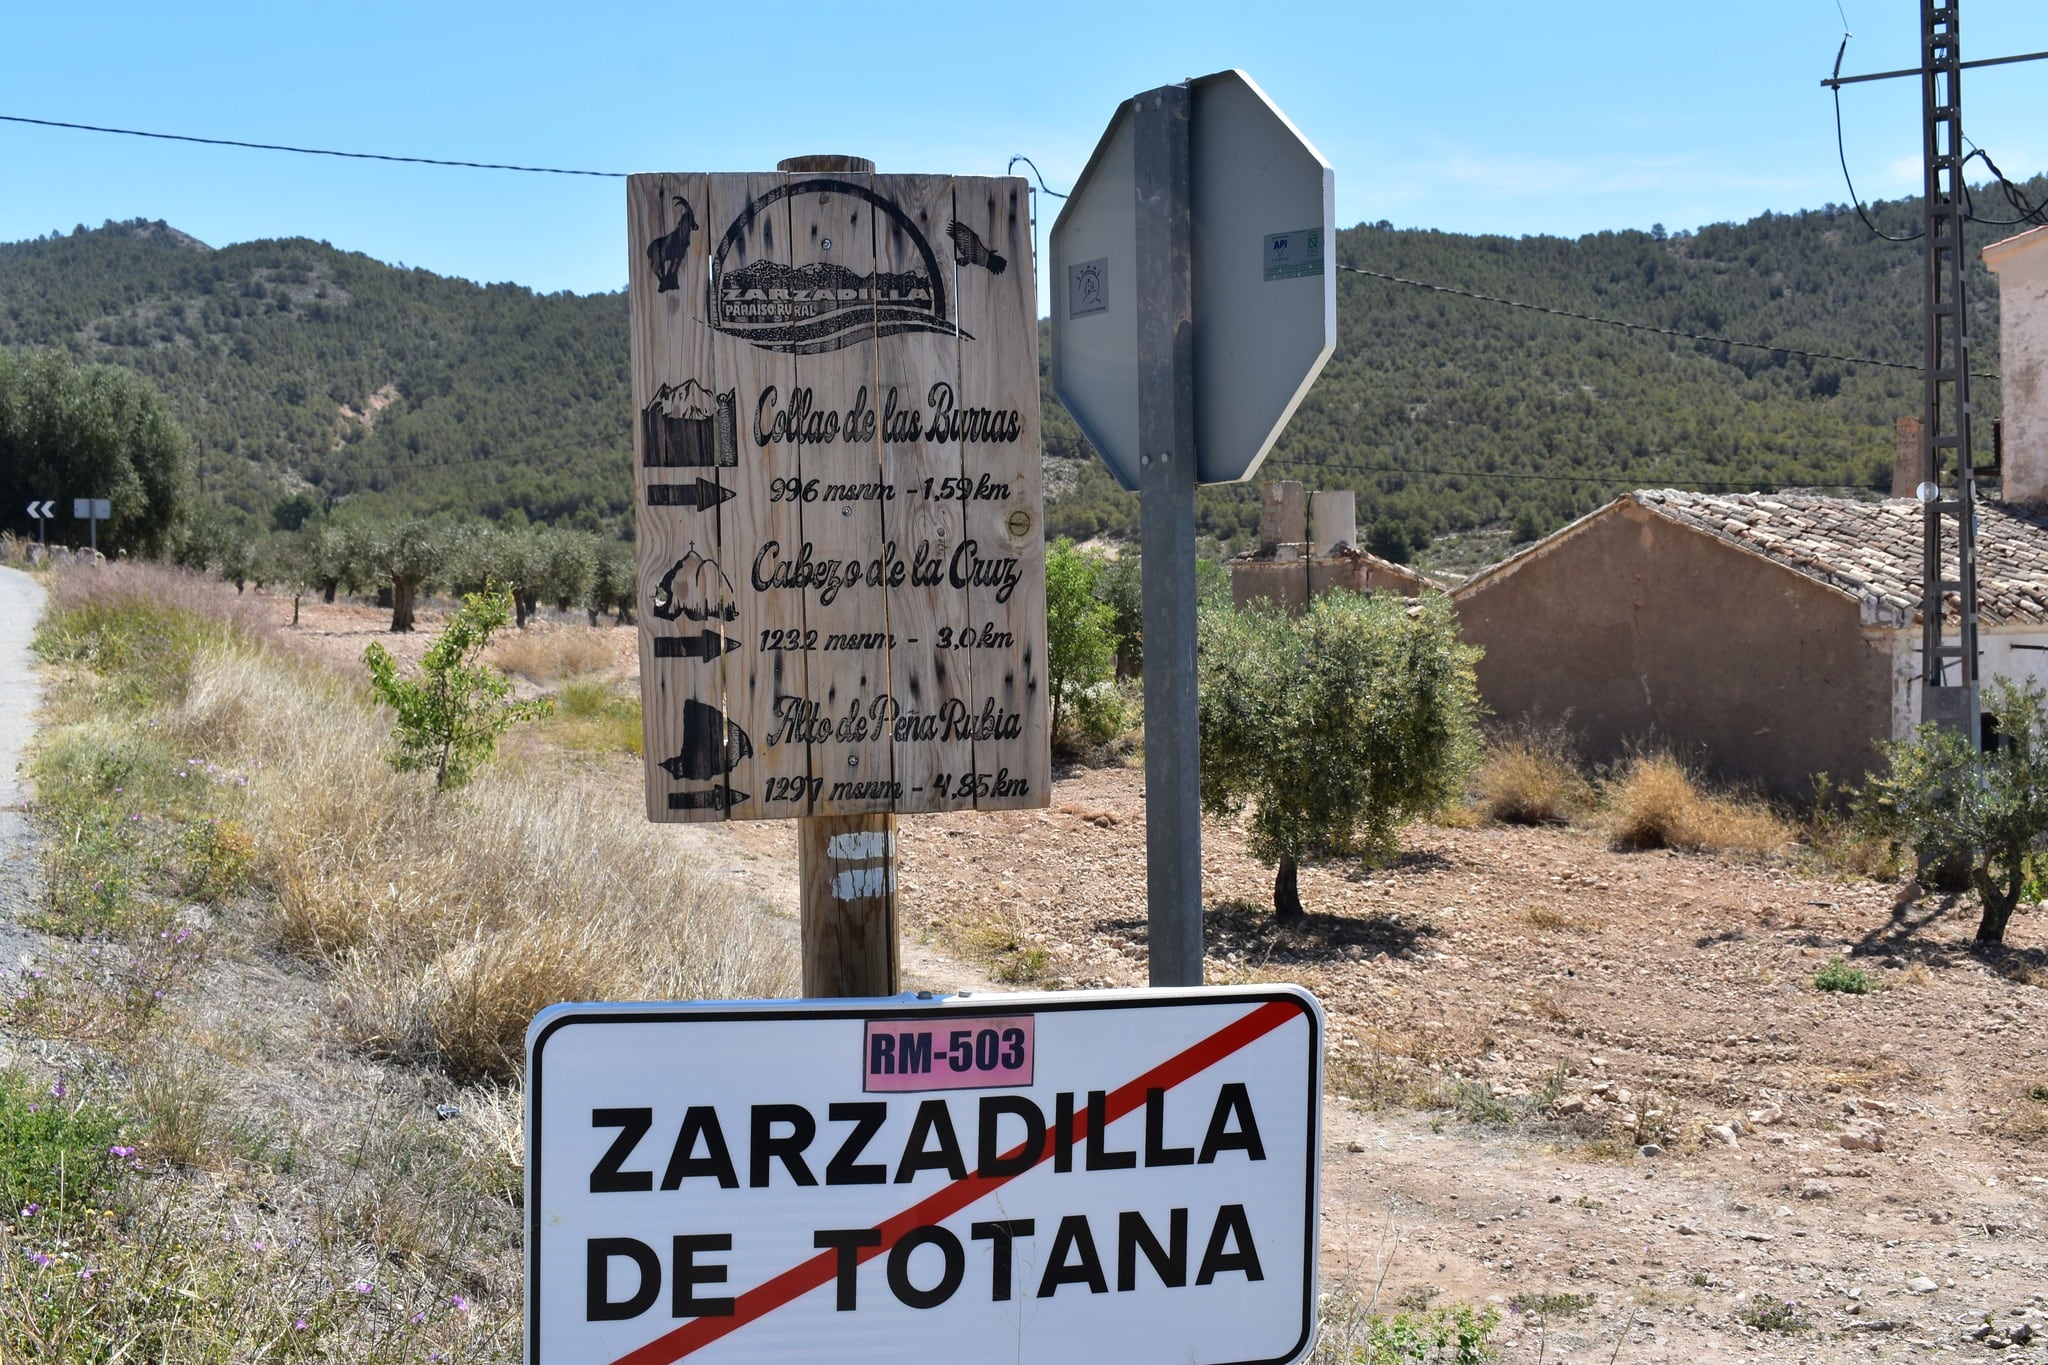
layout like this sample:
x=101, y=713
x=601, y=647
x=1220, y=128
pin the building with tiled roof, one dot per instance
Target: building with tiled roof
x=1872, y=550
x=1766, y=637
x=1771, y=637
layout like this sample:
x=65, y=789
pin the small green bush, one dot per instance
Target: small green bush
x=1457, y=1334
x=59, y=1158
x=1767, y=1313
x=1840, y=976
x=1080, y=633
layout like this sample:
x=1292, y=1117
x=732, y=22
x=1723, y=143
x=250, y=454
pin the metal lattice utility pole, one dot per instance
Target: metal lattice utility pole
x=1948, y=492
x=1948, y=487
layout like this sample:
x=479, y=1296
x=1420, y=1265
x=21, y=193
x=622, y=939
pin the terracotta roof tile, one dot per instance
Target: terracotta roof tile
x=1872, y=550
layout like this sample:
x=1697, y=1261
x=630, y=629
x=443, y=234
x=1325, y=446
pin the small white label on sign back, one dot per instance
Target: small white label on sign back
x=1035, y=1178
x=1294, y=255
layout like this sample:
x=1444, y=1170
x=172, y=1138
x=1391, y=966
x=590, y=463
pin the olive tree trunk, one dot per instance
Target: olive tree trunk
x=1286, y=892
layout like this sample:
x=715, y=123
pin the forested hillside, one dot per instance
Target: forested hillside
x=1447, y=412
x=296, y=367
x=303, y=370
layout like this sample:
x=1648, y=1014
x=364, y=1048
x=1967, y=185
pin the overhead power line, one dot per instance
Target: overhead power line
x=1621, y=476
x=1635, y=326
x=307, y=151
x=1034, y=171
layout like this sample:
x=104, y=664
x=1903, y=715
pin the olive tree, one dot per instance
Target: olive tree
x=406, y=555
x=1988, y=816
x=1334, y=727
x=69, y=431
x=614, y=583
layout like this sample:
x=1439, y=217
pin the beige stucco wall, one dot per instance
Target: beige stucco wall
x=1632, y=629
x=2021, y=264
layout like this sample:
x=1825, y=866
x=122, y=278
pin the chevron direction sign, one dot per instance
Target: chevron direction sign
x=42, y=511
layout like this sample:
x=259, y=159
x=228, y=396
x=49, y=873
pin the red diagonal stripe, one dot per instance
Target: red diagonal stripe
x=805, y=1276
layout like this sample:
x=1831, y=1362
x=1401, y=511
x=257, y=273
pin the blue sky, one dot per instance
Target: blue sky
x=1508, y=116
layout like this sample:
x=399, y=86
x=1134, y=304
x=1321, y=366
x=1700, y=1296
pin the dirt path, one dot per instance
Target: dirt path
x=1516, y=1014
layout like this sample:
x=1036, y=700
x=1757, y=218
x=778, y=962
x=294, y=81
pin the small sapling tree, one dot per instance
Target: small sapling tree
x=450, y=717
x=1336, y=727
x=1987, y=819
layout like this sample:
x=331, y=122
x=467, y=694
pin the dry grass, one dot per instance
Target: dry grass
x=2023, y=1116
x=597, y=717
x=1656, y=802
x=547, y=652
x=1551, y=920
x=1532, y=777
x=450, y=920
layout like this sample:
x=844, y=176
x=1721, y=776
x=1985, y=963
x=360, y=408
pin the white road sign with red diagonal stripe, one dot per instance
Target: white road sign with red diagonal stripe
x=1045, y=1179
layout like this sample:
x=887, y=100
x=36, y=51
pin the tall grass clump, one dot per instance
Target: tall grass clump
x=450, y=921
x=1655, y=801
x=138, y=627
x=547, y=652
x=1532, y=777
x=445, y=921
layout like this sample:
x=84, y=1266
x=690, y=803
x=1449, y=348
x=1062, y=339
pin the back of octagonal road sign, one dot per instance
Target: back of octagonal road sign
x=1263, y=211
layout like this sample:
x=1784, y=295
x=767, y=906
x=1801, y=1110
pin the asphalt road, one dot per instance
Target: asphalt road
x=21, y=604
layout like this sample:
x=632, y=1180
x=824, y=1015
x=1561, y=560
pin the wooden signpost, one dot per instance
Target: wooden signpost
x=841, y=557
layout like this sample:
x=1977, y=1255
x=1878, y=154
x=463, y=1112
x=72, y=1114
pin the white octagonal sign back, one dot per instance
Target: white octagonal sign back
x=1263, y=208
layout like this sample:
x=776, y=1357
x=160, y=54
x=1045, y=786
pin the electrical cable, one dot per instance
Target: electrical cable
x=1640, y=326
x=1619, y=477
x=308, y=151
x=2030, y=213
x=1842, y=154
x=1035, y=171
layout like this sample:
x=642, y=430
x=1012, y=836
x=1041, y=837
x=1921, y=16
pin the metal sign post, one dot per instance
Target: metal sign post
x=1194, y=303
x=93, y=511
x=1166, y=429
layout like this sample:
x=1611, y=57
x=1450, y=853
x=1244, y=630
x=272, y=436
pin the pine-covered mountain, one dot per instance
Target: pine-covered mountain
x=300, y=369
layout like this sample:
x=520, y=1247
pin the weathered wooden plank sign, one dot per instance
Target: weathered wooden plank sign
x=841, y=555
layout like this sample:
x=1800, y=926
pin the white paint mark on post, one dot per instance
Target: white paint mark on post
x=866, y=844
x=864, y=883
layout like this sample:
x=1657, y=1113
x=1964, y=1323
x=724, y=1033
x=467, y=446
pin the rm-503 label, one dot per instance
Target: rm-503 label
x=946, y=1054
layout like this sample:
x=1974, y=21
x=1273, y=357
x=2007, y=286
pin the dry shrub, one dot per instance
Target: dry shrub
x=177, y=1089
x=1532, y=777
x=546, y=652
x=1552, y=920
x=451, y=920
x=1656, y=802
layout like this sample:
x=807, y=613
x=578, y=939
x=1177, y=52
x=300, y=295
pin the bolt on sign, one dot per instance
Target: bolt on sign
x=841, y=557
x=1087, y=1176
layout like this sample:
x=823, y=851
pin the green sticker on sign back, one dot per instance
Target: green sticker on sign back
x=1294, y=255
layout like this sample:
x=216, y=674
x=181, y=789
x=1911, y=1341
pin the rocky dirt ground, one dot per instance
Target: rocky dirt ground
x=1596, y=1089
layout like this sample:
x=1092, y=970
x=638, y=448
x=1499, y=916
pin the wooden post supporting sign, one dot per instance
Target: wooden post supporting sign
x=841, y=556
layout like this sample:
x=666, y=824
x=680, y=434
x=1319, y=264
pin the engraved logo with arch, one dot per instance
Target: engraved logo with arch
x=812, y=307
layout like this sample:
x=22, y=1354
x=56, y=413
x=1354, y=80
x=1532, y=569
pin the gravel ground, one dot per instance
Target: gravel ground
x=21, y=605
